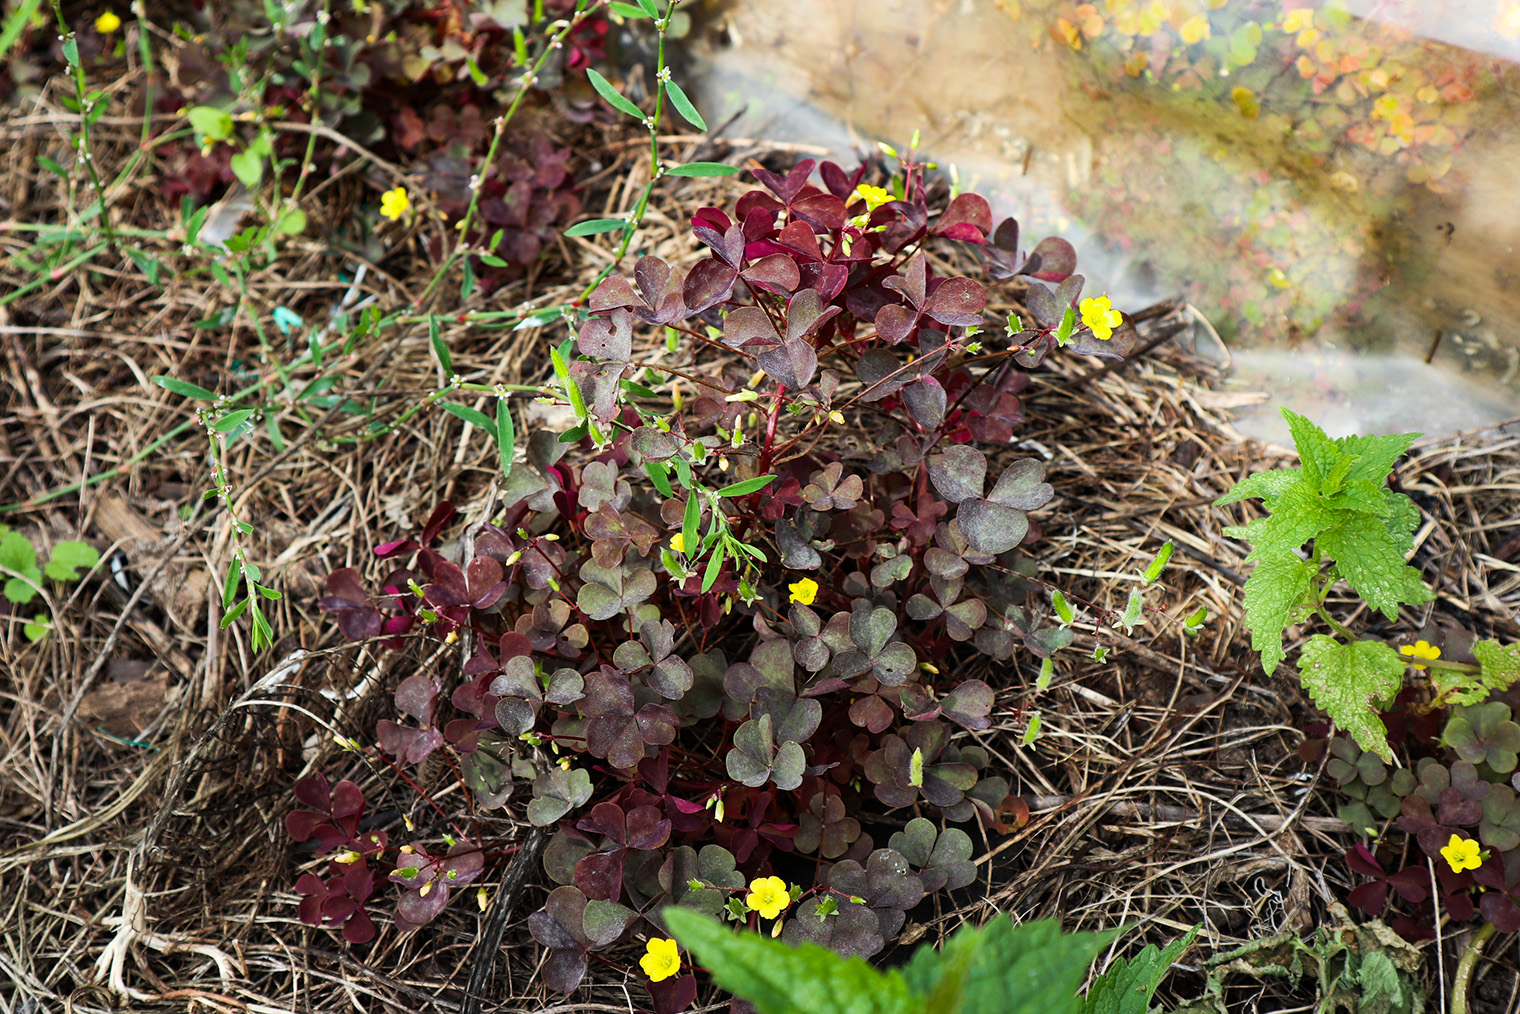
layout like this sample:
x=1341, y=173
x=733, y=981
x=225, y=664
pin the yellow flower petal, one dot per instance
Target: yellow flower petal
x=107, y=23
x=661, y=959
x=1462, y=854
x=804, y=592
x=393, y=203
x=768, y=896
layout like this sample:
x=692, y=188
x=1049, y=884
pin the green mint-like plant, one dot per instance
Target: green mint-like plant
x=995, y=968
x=1360, y=531
x=23, y=577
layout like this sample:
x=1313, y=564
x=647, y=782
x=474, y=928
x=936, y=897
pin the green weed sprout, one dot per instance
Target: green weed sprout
x=1358, y=530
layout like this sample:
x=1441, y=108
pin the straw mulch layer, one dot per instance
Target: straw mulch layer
x=144, y=777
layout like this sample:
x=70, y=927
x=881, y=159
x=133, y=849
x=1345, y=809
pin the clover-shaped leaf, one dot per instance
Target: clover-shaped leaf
x=714, y=869
x=826, y=828
x=556, y=792
x=616, y=729
x=600, y=874
x=609, y=591
x=1500, y=827
x=942, y=858
x=755, y=759
x=831, y=489
x=570, y=925
x=520, y=694
x=846, y=927
x=1485, y=734
x=998, y=523
x=884, y=882
x=651, y=656
x=890, y=662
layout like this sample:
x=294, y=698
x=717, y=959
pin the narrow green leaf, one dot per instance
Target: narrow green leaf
x=230, y=586
x=683, y=105
x=714, y=566
x=15, y=23
x=614, y=99
x=232, y=420
x=231, y=615
x=689, y=523
x=703, y=169
x=492, y=261
x=659, y=476
x=1200, y=615
x=506, y=437
x=440, y=350
x=472, y=416
x=649, y=8
x=1157, y=565
x=1032, y=730
x=596, y=225
x=627, y=10
x=184, y=389
x=1047, y=672
x=747, y=486
x=572, y=389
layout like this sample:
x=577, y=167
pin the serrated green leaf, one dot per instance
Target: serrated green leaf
x=703, y=169
x=1316, y=450
x=614, y=98
x=1351, y=683
x=69, y=558
x=1375, y=455
x=1371, y=559
x=747, y=486
x=1299, y=516
x=1500, y=662
x=684, y=106
x=1275, y=592
x=1126, y=987
x=1029, y=967
x=1268, y=486
x=779, y=979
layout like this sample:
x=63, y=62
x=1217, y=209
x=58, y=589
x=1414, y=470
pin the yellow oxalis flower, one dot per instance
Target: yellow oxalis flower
x=804, y=591
x=1420, y=649
x=874, y=197
x=1100, y=317
x=768, y=896
x=661, y=960
x=678, y=542
x=393, y=203
x=1195, y=29
x=107, y=23
x=1462, y=854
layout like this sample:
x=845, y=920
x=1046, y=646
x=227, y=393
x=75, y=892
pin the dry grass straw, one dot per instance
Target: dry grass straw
x=146, y=756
